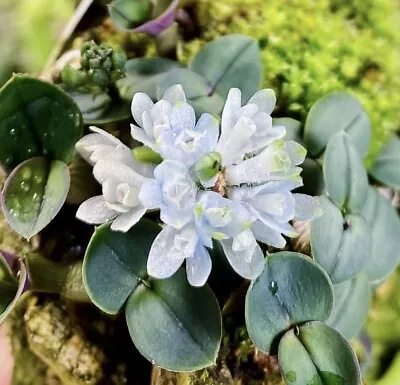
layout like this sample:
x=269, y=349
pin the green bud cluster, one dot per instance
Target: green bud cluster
x=101, y=66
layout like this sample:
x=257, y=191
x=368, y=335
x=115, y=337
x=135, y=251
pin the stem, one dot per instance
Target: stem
x=51, y=277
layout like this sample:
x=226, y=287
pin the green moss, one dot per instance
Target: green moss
x=310, y=48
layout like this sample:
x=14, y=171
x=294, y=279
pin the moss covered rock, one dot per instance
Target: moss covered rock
x=310, y=48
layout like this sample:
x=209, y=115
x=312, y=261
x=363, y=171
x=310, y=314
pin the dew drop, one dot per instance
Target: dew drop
x=29, y=151
x=291, y=376
x=273, y=287
x=26, y=173
x=38, y=178
x=8, y=160
x=346, y=224
x=25, y=186
x=153, y=362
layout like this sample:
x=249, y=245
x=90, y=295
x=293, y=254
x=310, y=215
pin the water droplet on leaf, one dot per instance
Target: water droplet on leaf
x=291, y=376
x=25, y=186
x=273, y=287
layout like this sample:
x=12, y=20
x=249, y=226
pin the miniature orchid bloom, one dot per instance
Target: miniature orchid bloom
x=169, y=126
x=119, y=202
x=173, y=191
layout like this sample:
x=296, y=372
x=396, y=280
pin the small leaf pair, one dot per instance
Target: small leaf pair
x=174, y=325
x=292, y=291
x=39, y=125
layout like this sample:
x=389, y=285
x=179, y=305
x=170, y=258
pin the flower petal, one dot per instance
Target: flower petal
x=140, y=135
x=249, y=267
x=141, y=102
x=174, y=94
x=182, y=117
x=95, y=211
x=124, y=222
x=198, y=267
x=296, y=152
x=306, y=207
x=150, y=194
x=104, y=170
x=268, y=235
x=265, y=100
x=229, y=114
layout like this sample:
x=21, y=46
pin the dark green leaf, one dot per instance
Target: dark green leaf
x=174, y=325
x=331, y=114
x=128, y=14
x=230, y=61
x=36, y=118
x=293, y=128
x=197, y=91
x=341, y=245
x=34, y=193
x=100, y=109
x=386, y=168
x=344, y=174
x=10, y=288
x=292, y=289
x=316, y=354
x=144, y=75
x=385, y=226
x=352, y=301
x=313, y=178
x=115, y=263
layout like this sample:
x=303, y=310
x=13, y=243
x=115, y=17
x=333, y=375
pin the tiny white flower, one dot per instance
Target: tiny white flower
x=169, y=126
x=173, y=191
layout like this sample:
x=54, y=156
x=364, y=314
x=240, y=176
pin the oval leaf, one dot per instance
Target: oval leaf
x=385, y=226
x=281, y=297
x=144, y=75
x=10, y=288
x=352, y=301
x=36, y=118
x=34, y=193
x=230, y=61
x=198, y=93
x=293, y=128
x=331, y=114
x=386, y=168
x=174, y=325
x=317, y=355
x=341, y=245
x=115, y=263
x=344, y=174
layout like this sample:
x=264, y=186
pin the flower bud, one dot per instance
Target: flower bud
x=72, y=77
x=100, y=77
x=208, y=166
x=146, y=155
x=119, y=58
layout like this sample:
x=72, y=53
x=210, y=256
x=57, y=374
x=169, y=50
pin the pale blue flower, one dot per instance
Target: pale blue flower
x=173, y=191
x=169, y=126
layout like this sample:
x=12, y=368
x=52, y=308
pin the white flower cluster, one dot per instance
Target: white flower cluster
x=231, y=185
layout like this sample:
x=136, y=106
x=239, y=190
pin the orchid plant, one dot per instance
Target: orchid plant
x=207, y=176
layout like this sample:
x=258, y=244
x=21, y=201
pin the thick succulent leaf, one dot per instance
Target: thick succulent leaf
x=344, y=174
x=331, y=114
x=230, y=61
x=352, y=301
x=115, y=263
x=143, y=75
x=293, y=129
x=281, y=297
x=34, y=193
x=198, y=93
x=386, y=168
x=316, y=354
x=341, y=245
x=36, y=118
x=385, y=226
x=10, y=288
x=99, y=109
x=174, y=325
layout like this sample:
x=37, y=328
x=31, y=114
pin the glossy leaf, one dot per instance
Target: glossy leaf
x=341, y=245
x=198, y=92
x=174, y=325
x=143, y=15
x=385, y=226
x=34, y=193
x=230, y=61
x=36, y=118
x=115, y=263
x=331, y=114
x=316, y=354
x=100, y=109
x=352, y=301
x=293, y=128
x=386, y=168
x=10, y=288
x=144, y=75
x=282, y=297
x=344, y=174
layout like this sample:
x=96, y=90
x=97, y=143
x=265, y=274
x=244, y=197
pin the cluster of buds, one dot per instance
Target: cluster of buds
x=101, y=66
